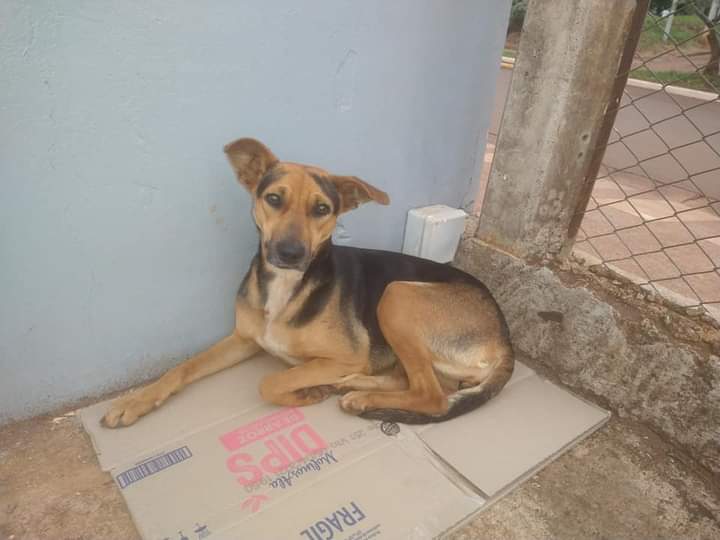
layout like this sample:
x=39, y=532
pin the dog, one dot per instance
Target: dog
x=402, y=339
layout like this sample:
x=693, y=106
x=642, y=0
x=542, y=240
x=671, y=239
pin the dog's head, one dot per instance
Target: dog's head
x=295, y=206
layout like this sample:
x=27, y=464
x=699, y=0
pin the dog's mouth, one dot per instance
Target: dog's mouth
x=273, y=261
x=295, y=260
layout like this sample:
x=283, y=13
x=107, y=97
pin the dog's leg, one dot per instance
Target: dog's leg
x=386, y=382
x=127, y=409
x=439, y=331
x=451, y=331
x=406, y=324
x=305, y=384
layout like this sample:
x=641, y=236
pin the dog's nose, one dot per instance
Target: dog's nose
x=290, y=251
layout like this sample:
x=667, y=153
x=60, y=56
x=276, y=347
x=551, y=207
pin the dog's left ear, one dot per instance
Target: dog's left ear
x=250, y=159
x=354, y=192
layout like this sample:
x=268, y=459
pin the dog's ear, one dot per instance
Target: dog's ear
x=250, y=159
x=354, y=192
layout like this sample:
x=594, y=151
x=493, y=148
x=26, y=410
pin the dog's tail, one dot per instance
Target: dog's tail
x=460, y=402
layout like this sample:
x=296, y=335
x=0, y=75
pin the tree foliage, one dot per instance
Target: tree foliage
x=518, y=9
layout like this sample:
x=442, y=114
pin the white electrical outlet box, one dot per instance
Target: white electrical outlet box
x=434, y=232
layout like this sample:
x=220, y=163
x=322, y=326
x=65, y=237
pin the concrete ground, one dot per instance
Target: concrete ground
x=622, y=482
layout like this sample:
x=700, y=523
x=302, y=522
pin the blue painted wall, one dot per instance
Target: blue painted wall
x=123, y=235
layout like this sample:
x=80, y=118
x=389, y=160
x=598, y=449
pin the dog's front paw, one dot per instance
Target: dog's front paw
x=126, y=410
x=355, y=402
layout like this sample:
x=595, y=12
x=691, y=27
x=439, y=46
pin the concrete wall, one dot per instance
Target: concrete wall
x=123, y=235
x=611, y=344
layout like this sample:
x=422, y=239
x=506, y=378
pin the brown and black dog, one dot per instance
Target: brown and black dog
x=404, y=339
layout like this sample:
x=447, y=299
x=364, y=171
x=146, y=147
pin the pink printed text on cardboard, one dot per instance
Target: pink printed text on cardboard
x=285, y=438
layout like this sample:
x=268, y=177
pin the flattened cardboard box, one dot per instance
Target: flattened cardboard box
x=216, y=462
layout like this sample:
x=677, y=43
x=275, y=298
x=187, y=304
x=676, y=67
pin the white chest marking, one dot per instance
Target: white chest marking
x=280, y=288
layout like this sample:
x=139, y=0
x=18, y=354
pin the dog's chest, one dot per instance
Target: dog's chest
x=280, y=292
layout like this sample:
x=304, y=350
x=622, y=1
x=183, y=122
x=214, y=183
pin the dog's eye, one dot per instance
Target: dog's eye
x=321, y=210
x=274, y=200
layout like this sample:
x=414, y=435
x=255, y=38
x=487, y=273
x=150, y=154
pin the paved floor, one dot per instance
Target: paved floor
x=623, y=482
x=667, y=237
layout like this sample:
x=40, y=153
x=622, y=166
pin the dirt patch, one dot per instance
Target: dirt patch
x=51, y=485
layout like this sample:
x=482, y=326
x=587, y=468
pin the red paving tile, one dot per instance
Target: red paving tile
x=657, y=266
x=670, y=232
x=703, y=222
x=676, y=290
x=610, y=247
x=706, y=286
x=639, y=240
x=689, y=259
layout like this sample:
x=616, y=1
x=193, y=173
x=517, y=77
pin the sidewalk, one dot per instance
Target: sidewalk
x=647, y=237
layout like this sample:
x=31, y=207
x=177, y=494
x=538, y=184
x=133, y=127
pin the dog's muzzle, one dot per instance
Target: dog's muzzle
x=287, y=254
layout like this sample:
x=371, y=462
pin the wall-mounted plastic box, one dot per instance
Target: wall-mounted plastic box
x=434, y=232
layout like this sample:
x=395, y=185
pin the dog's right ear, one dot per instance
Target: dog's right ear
x=250, y=159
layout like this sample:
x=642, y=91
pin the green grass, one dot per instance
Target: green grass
x=684, y=28
x=678, y=78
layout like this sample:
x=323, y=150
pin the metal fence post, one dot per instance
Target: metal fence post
x=564, y=82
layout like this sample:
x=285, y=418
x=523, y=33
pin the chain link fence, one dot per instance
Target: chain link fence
x=654, y=214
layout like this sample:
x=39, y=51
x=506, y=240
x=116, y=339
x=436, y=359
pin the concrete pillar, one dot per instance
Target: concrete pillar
x=564, y=79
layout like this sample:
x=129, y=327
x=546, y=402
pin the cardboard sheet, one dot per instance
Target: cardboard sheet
x=216, y=462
